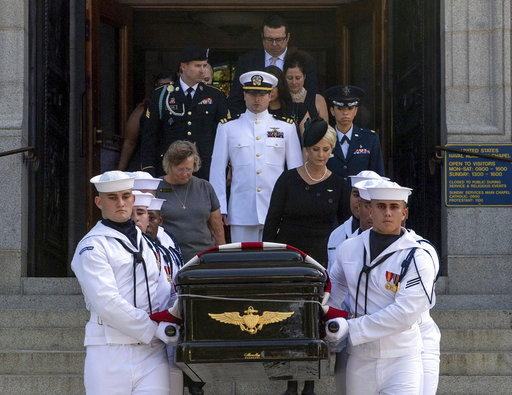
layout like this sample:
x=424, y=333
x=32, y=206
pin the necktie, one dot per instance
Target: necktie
x=345, y=139
x=189, y=96
x=273, y=61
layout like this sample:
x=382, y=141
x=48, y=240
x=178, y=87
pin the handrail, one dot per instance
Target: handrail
x=17, y=151
x=438, y=148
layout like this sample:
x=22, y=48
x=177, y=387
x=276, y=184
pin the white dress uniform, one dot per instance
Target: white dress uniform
x=258, y=146
x=430, y=333
x=123, y=355
x=176, y=374
x=338, y=236
x=385, y=343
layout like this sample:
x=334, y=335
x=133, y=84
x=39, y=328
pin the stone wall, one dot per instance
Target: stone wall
x=12, y=193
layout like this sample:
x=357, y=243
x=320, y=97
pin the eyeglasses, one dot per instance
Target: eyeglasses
x=274, y=40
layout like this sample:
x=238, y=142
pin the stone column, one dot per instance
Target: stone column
x=12, y=190
x=478, y=110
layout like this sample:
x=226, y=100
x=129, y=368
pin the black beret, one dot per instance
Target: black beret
x=344, y=95
x=314, y=131
x=193, y=52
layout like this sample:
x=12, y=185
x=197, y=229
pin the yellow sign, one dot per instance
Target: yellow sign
x=251, y=322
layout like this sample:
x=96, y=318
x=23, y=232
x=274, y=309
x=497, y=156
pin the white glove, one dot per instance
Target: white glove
x=169, y=340
x=334, y=338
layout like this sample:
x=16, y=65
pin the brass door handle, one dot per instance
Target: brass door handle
x=97, y=136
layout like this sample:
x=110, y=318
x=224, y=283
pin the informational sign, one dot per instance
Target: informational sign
x=476, y=181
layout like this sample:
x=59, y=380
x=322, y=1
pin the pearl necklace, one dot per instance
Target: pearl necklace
x=299, y=95
x=309, y=175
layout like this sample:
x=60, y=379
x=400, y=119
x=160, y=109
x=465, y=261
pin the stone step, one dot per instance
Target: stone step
x=25, y=318
x=479, y=274
x=475, y=385
x=42, y=362
x=476, y=363
x=470, y=340
x=474, y=302
x=42, y=302
x=42, y=384
x=472, y=319
x=50, y=286
x=56, y=339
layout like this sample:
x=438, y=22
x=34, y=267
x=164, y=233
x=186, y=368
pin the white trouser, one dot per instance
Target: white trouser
x=430, y=356
x=176, y=374
x=386, y=376
x=127, y=369
x=241, y=233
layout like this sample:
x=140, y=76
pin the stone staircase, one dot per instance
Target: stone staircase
x=41, y=337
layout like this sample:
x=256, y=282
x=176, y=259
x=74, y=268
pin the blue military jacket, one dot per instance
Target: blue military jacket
x=363, y=153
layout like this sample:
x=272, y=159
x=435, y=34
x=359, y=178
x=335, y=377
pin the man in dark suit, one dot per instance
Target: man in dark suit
x=275, y=37
x=185, y=110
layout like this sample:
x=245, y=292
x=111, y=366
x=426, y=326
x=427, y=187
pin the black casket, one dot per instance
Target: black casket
x=252, y=314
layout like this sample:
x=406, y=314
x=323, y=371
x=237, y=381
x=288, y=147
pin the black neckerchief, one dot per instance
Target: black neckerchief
x=138, y=258
x=126, y=228
x=379, y=242
x=355, y=224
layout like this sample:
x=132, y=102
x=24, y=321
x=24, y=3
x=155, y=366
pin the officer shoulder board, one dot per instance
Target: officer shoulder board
x=415, y=281
x=230, y=118
x=285, y=119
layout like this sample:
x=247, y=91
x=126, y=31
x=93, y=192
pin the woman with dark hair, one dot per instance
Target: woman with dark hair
x=280, y=98
x=304, y=104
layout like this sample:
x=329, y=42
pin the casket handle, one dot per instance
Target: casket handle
x=171, y=330
x=333, y=327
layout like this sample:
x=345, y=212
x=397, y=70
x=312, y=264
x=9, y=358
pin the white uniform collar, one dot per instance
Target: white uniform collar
x=406, y=241
x=102, y=230
x=256, y=117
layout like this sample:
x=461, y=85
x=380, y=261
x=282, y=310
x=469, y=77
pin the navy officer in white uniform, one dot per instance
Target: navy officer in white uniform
x=119, y=275
x=258, y=145
x=386, y=299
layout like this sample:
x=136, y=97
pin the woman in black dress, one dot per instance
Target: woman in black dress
x=307, y=204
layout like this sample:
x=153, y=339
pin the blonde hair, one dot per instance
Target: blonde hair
x=178, y=152
x=330, y=136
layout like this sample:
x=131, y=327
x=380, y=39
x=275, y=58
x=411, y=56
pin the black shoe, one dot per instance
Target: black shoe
x=196, y=389
x=292, y=388
x=309, y=388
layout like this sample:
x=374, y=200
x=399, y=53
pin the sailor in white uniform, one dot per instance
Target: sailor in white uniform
x=258, y=145
x=119, y=275
x=390, y=279
x=349, y=228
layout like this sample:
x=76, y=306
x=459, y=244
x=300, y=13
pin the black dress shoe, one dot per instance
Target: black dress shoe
x=196, y=389
x=309, y=388
x=292, y=388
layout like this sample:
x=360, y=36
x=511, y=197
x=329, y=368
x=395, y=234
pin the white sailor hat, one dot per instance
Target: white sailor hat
x=112, y=181
x=144, y=181
x=388, y=190
x=156, y=204
x=365, y=175
x=362, y=185
x=258, y=81
x=142, y=198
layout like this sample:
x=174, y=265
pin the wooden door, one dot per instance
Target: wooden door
x=108, y=87
x=362, y=61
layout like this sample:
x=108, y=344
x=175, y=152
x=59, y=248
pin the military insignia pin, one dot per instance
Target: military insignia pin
x=251, y=322
x=170, y=88
x=346, y=90
x=256, y=80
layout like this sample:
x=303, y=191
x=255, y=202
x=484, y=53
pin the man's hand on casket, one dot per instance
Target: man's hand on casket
x=165, y=316
x=334, y=338
x=162, y=333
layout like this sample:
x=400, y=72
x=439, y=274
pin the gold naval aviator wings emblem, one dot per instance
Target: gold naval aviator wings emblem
x=251, y=322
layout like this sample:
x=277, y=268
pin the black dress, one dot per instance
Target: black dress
x=299, y=110
x=304, y=215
